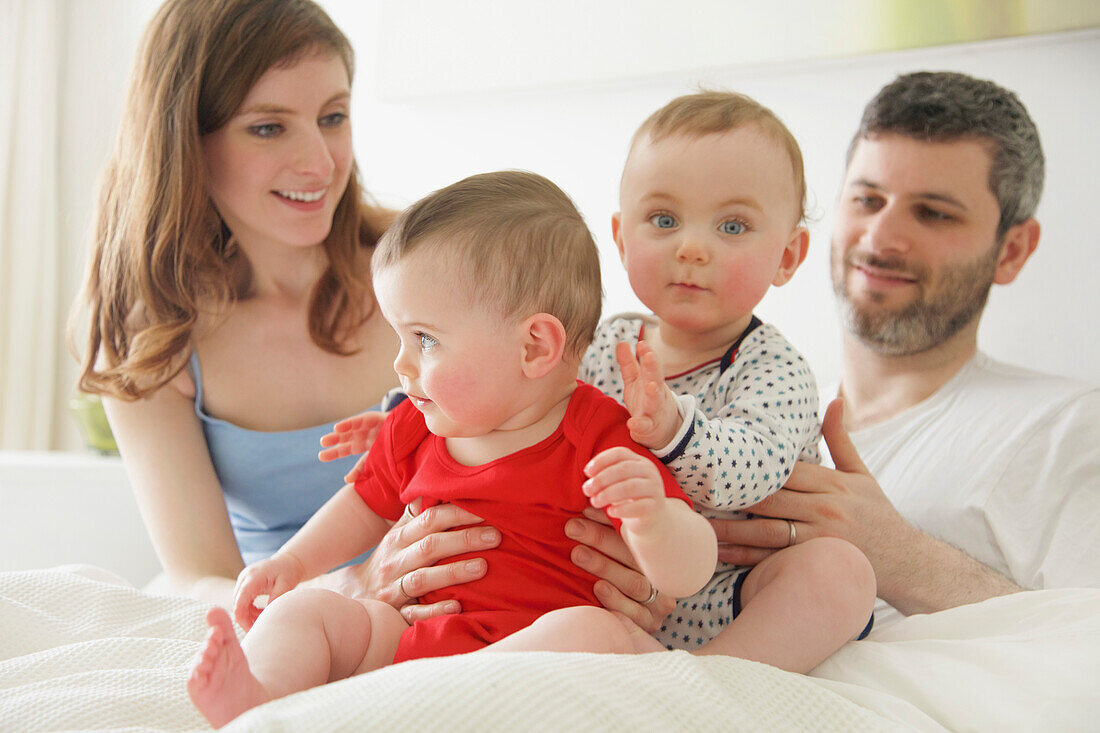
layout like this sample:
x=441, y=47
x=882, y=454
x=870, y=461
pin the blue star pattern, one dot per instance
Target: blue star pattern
x=754, y=414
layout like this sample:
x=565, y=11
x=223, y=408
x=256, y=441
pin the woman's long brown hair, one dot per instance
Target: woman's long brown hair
x=160, y=251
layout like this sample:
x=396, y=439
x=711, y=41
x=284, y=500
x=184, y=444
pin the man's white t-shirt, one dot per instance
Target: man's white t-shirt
x=1003, y=463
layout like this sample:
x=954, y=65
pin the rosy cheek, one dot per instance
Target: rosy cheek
x=447, y=387
x=747, y=284
x=643, y=266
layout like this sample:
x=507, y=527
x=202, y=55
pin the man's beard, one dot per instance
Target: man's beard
x=943, y=306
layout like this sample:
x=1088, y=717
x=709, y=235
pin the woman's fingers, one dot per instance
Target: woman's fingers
x=425, y=580
x=431, y=536
x=417, y=562
x=414, y=613
x=403, y=566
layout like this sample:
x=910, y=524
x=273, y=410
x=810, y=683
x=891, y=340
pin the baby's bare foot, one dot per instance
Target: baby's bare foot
x=221, y=686
x=642, y=642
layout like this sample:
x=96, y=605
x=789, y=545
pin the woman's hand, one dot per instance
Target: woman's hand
x=351, y=436
x=621, y=587
x=403, y=568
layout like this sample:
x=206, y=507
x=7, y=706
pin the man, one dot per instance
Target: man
x=989, y=474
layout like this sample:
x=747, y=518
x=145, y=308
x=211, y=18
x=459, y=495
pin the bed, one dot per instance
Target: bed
x=83, y=649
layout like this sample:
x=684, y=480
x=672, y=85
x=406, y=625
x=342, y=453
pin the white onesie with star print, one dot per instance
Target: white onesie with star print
x=748, y=417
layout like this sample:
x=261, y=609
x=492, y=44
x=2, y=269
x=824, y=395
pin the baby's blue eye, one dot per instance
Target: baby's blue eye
x=426, y=341
x=732, y=227
x=663, y=221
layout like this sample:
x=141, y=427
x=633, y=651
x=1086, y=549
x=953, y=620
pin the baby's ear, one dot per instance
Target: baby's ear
x=617, y=231
x=543, y=344
x=793, y=255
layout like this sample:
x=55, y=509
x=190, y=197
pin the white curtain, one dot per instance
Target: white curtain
x=32, y=307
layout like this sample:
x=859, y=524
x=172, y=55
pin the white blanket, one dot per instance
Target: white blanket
x=80, y=649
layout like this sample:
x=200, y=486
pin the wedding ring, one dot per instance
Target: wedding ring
x=790, y=533
x=401, y=586
x=652, y=595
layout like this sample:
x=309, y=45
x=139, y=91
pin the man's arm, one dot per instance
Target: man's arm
x=916, y=572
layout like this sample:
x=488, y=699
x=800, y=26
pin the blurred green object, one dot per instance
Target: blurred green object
x=88, y=411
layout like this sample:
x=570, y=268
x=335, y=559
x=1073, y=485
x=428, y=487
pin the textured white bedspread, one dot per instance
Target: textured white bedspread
x=80, y=649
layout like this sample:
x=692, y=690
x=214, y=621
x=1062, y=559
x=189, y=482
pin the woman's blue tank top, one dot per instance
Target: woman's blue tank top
x=272, y=481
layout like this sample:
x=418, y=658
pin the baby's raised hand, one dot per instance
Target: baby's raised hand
x=626, y=485
x=350, y=436
x=271, y=577
x=654, y=416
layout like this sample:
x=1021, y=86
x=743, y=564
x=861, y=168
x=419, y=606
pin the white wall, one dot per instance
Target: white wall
x=576, y=134
x=100, y=41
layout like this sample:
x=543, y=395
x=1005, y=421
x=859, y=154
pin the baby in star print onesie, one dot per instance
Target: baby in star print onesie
x=711, y=206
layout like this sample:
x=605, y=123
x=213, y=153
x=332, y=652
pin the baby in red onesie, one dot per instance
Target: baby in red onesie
x=493, y=287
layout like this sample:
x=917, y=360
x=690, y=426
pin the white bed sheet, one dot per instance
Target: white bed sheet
x=81, y=649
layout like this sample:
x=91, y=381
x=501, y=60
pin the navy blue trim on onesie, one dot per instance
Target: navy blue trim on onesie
x=681, y=446
x=727, y=359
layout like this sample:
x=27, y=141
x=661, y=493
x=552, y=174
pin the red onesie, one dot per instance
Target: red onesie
x=527, y=495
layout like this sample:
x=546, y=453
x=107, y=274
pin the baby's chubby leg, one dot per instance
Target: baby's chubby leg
x=304, y=638
x=800, y=605
x=580, y=629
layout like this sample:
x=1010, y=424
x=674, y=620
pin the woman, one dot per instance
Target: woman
x=231, y=313
x=232, y=318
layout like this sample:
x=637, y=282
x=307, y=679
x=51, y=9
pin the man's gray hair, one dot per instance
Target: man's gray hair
x=942, y=106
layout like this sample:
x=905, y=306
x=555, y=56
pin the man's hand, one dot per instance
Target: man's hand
x=654, y=416
x=916, y=573
x=351, y=436
x=844, y=502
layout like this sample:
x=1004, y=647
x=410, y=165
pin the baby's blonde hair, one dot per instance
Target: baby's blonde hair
x=523, y=245
x=711, y=112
